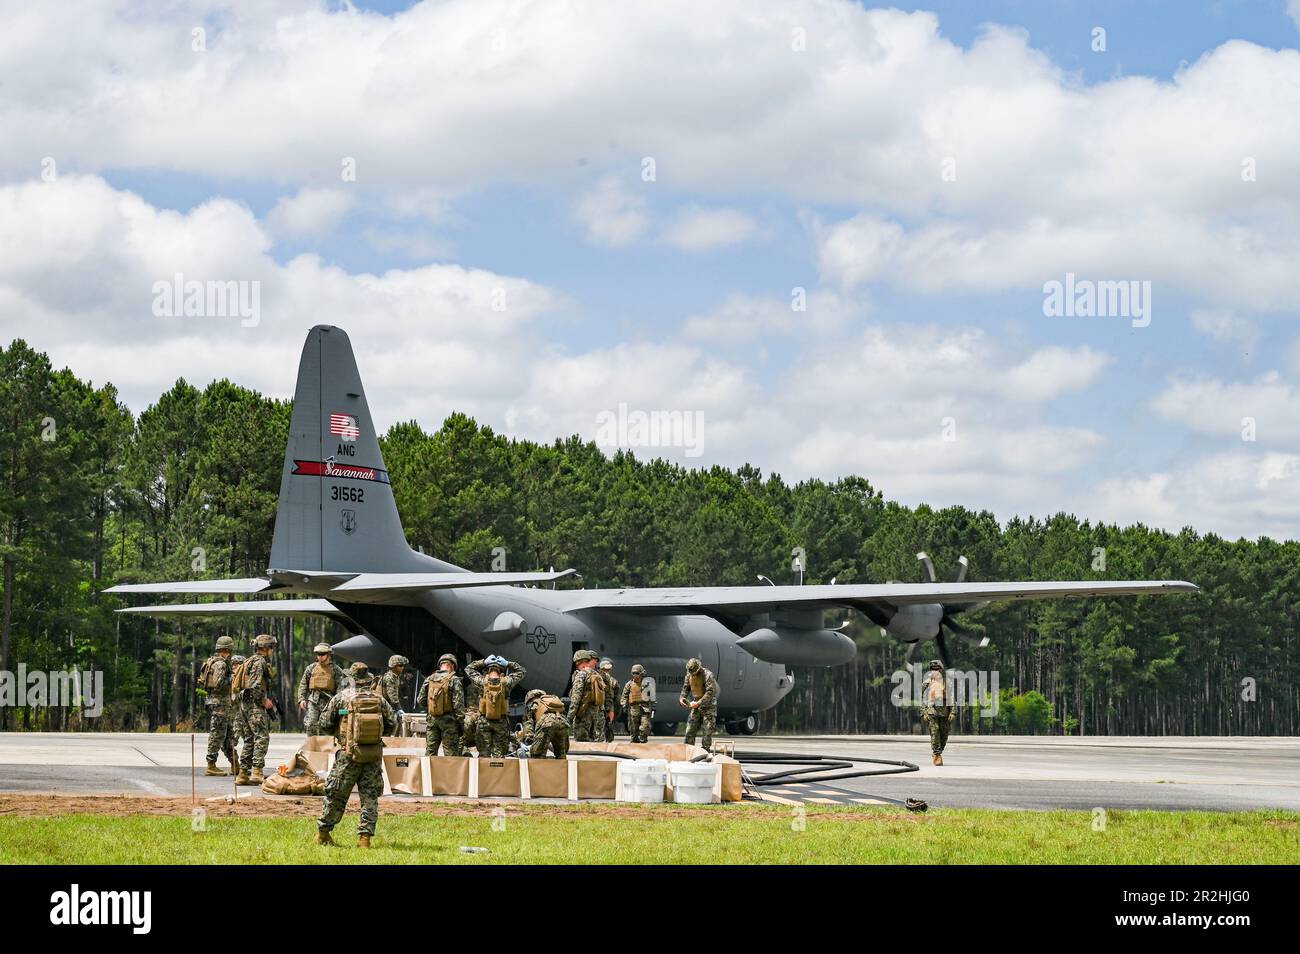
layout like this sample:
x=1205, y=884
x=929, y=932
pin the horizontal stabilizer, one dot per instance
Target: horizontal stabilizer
x=243, y=608
x=378, y=582
x=253, y=585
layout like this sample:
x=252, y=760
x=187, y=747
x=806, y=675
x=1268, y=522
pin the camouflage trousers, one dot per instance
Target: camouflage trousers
x=444, y=729
x=494, y=738
x=368, y=778
x=638, y=721
x=221, y=732
x=936, y=717
x=470, y=737
x=316, y=703
x=589, y=726
x=702, y=721
x=551, y=732
x=609, y=727
x=258, y=737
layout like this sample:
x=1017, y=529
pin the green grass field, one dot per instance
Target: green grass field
x=733, y=834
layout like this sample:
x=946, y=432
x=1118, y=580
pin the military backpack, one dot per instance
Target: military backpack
x=441, y=697
x=363, y=727
x=495, y=701
x=208, y=680
x=596, y=682
x=547, y=704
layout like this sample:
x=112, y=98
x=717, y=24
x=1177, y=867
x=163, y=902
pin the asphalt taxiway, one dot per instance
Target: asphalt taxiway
x=1010, y=772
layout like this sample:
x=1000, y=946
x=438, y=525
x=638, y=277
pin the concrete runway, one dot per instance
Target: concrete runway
x=1012, y=772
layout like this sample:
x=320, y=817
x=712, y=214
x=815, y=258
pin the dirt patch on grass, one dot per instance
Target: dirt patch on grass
x=257, y=805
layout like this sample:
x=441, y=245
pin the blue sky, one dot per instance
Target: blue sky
x=488, y=156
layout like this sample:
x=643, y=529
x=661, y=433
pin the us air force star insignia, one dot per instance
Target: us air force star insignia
x=540, y=639
x=348, y=521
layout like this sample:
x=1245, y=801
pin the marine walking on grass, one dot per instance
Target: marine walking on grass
x=442, y=697
x=319, y=682
x=937, y=710
x=252, y=683
x=215, y=679
x=495, y=678
x=638, y=704
x=700, y=695
x=587, y=702
x=359, y=717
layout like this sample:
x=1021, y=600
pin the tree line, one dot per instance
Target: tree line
x=94, y=495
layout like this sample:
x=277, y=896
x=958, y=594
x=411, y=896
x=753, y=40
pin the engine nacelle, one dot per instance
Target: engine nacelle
x=799, y=647
x=915, y=621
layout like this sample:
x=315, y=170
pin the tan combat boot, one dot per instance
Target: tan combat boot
x=938, y=760
x=256, y=777
x=323, y=838
x=242, y=778
x=213, y=770
x=363, y=841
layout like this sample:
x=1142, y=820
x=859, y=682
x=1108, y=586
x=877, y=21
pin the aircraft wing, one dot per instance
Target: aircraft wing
x=309, y=607
x=747, y=600
x=254, y=585
x=379, y=582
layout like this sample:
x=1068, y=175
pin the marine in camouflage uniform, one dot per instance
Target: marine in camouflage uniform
x=390, y=684
x=469, y=738
x=550, y=731
x=446, y=728
x=935, y=710
x=586, y=718
x=366, y=777
x=221, y=708
x=253, y=704
x=611, y=697
x=238, y=724
x=494, y=734
x=639, y=712
x=700, y=694
x=312, y=701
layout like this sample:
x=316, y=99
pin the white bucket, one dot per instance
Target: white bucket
x=693, y=781
x=643, y=779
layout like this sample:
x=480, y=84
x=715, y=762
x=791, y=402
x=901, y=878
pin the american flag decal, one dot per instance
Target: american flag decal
x=345, y=426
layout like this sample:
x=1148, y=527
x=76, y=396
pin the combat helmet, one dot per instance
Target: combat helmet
x=395, y=661
x=323, y=648
x=582, y=655
x=606, y=664
x=360, y=673
x=225, y=642
x=694, y=665
x=638, y=670
x=265, y=641
x=447, y=657
x=533, y=694
x=936, y=664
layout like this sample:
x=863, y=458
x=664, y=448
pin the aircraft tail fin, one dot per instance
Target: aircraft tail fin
x=337, y=511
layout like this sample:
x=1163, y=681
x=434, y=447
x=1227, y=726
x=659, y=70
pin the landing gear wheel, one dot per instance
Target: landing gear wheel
x=748, y=725
x=664, y=728
x=733, y=728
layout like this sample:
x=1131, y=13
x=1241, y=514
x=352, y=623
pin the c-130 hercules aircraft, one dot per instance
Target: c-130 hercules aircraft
x=339, y=544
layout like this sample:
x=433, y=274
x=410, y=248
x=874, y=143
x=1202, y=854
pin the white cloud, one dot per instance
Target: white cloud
x=611, y=213
x=744, y=317
x=313, y=211
x=1248, y=494
x=1210, y=406
x=1293, y=11
x=1226, y=327
x=697, y=229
